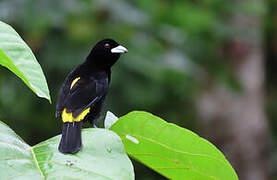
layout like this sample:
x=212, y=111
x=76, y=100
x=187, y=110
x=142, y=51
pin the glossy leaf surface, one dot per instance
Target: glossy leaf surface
x=18, y=58
x=174, y=152
x=102, y=157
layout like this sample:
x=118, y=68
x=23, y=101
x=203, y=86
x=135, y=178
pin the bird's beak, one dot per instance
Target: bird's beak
x=119, y=49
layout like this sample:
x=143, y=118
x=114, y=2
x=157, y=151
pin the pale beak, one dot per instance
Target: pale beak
x=119, y=49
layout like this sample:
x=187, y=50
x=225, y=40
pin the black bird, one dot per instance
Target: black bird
x=83, y=92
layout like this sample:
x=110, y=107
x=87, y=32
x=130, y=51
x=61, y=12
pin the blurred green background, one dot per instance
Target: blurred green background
x=209, y=66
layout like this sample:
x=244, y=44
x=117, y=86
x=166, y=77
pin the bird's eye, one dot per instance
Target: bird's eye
x=107, y=45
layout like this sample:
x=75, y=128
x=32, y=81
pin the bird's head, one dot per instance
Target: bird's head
x=106, y=52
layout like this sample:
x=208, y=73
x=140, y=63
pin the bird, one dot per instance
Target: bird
x=83, y=93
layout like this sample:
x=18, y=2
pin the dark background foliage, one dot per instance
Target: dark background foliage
x=178, y=51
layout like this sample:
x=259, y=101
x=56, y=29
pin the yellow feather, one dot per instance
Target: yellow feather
x=68, y=117
x=74, y=82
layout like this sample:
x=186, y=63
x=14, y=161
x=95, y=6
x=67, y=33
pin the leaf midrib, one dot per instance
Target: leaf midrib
x=175, y=150
x=36, y=161
x=178, y=151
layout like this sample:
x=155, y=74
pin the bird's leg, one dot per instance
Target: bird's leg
x=91, y=121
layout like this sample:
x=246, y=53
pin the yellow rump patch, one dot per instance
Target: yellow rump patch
x=74, y=82
x=68, y=117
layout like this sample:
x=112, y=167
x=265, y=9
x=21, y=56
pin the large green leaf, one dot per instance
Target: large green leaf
x=102, y=157
x=18, y=58
x=174, y=152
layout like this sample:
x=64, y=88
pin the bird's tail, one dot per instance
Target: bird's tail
x=71, y=141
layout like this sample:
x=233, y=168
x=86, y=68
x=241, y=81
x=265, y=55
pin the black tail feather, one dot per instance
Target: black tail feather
x=71, y=141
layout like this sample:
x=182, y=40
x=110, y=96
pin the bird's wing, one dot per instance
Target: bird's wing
x=62, y=96
x=83, y=93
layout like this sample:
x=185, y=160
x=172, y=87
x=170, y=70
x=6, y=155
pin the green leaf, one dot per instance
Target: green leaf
x=102, y=157
x=18, y=58
x=174, y=152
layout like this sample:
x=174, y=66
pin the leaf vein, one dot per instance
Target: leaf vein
x=36, y=161
x=178, y=151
